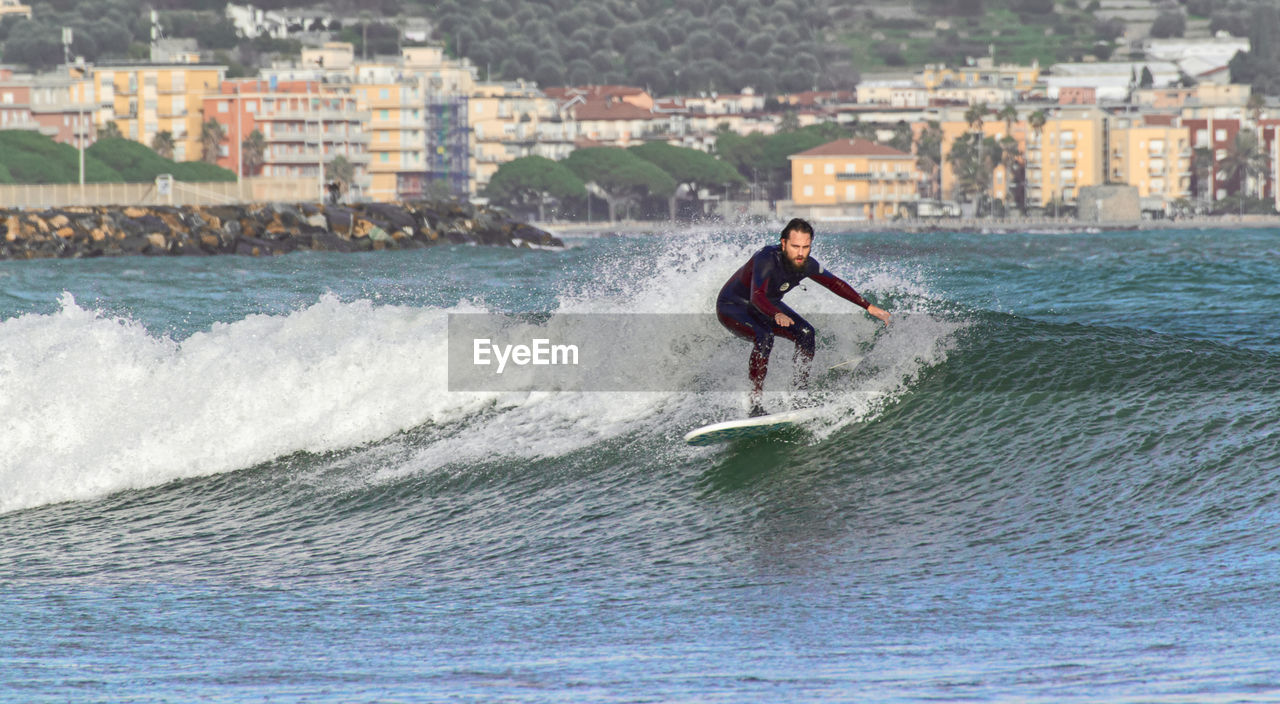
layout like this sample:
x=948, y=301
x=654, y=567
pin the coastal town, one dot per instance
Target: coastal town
x=1165, y=136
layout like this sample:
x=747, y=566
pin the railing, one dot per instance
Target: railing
x=261, y=189
x=875, y=176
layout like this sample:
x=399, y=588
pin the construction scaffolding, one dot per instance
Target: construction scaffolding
x=449, y=143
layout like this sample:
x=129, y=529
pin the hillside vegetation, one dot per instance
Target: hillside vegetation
x=30, y=157
x=669, y=46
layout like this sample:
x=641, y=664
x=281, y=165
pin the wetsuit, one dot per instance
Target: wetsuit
x=753, y=295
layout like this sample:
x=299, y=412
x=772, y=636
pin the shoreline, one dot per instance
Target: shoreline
x=255, y=230
x=968, y=225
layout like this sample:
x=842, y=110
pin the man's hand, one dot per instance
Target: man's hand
x=783, y=320
x=880, y=313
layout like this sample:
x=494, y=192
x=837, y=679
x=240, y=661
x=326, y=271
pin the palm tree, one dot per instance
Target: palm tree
x=253, y=150
x=1244, y=157
x=1036, y=120
x=110, y=131
x=162, y=143
x=212, y=135
x=1202, y=173
x=974, y=158
x=1010, y=115
x=929, y=157
x=975, y=115
x=1015, y=173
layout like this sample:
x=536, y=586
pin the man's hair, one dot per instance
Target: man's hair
x=799, y=225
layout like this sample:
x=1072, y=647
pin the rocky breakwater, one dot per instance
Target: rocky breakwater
x=256, y=230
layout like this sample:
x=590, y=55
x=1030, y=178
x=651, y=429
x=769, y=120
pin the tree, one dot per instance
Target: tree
x=1009, y=114
x=620, y=177
x=212, y=135
x=534, y=181
x=1169, y=24
x=1147, y=79
x=1015, y=173
x=929, y=157
x=1244, y=157
x=690, y=168
x=975, y=116
x=253, y=151
x=1202, y=173
x=110, y=130
x=162, y=143
x=902, y=137
x=973, y=158
x=338, y=170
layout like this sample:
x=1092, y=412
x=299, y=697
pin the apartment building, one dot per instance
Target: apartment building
x=855, y=179
x=305, y=125
x=510, y=120
x=983, y=73
x=1216, y=134
x=144, y=99
x=1065, y=155
x=1153, y=154
x=59, y=105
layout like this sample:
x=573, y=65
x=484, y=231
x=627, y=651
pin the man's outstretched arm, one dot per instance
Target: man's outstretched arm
x=838, y=286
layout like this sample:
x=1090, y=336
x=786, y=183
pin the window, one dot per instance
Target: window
x=385, y=157
x=384, y=94
x=1219, y=135
x=222, y=106
x=384, y=114
x=808, y=190
x=829, y=191
x=8, y=98
x=850, y=192
x=829, y=169
x=251, y=106
x=808, y=169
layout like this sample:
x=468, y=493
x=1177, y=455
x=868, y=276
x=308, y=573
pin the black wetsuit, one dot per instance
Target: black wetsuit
x=753, y=295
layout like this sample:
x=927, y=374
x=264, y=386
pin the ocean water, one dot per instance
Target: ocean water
x=1055, y=477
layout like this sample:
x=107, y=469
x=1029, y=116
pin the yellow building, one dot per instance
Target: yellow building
x=984, y=72
x=854, y=178
x=13, y=8
x=507, y=122
x=397, y=135
x=144, y=99
x=1152, y=153
x=1065, y=155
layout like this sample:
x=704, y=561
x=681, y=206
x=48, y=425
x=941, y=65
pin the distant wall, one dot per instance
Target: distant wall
x=253, y=190
x=1108, y=204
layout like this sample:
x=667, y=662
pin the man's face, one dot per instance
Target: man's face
x=795, y=248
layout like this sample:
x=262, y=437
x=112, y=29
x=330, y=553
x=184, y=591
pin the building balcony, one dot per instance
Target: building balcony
x=876, y=176
x=312, y=116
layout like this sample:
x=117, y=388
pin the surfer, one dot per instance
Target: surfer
x=750, y=304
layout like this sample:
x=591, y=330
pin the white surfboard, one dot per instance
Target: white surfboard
x=749, y=427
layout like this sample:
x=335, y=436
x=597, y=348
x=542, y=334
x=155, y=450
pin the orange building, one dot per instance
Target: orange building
x=304, y=124
x=854, y=178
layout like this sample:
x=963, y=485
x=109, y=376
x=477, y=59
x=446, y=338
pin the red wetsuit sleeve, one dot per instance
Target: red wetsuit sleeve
x=837, y=286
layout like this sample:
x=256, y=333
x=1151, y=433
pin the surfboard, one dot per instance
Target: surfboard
x=741, y=428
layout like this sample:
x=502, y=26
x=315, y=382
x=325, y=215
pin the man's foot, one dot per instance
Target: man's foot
x=756, y=411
